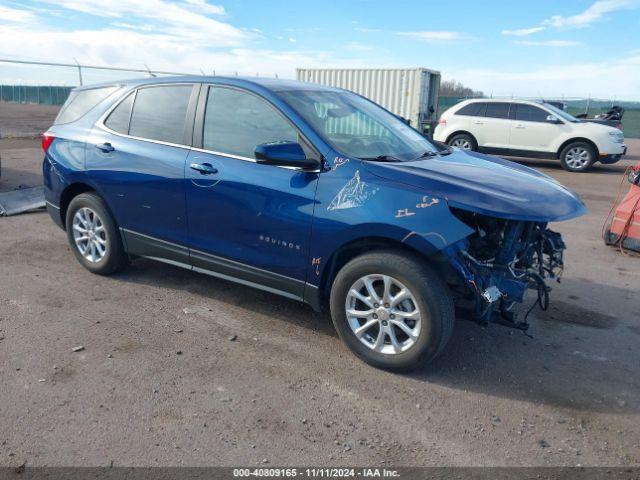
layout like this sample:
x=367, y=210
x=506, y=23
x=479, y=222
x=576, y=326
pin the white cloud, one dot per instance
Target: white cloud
x=292, y=40
x=15, y=15
x=521, y=32
x=619, y=77
x=140, y=26
x=204, y=7
x=433, y=35
x=131, y=48
x=549, y=43
x=171, y=18
x=592, y=14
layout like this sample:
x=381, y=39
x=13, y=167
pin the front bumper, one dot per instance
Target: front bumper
x=615, y=155
x=527, y=255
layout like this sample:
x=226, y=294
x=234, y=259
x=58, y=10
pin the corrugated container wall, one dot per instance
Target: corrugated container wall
x=411, y=93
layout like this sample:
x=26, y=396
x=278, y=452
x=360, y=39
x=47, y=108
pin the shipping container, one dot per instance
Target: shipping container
x=410, y=93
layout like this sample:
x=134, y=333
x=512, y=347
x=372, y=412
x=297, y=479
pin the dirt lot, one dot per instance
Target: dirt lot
x=25, y=120
x=159, y=381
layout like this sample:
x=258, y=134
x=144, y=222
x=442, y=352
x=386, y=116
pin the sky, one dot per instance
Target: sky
x=569, y=48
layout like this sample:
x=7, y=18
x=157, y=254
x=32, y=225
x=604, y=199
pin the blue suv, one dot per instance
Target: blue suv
x=310, y=192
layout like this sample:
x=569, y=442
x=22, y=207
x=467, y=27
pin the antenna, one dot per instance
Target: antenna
x=79, y=70
x=149, y=71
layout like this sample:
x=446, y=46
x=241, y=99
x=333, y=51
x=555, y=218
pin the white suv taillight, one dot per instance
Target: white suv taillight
x=442, y=121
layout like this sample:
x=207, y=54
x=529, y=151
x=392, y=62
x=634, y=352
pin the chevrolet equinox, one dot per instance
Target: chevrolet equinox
x=309, y=192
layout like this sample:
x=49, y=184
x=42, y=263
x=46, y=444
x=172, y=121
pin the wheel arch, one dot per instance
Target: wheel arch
x=69, y=193
x=459, y=132
x=578, y=139
x=352, y=249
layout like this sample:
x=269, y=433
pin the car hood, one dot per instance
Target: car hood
x=487, y=185
x=596, y=126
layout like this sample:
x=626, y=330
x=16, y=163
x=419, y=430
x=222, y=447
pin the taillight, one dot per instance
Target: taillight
x=619, y=126
x=442, y=121
x=47, y=140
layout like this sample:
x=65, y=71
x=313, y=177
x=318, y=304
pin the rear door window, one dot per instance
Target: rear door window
x=497, y=110
x=529, y=113
x=118, y=119
x=80, y=102
x=236, y=122
x=159, y=113
x=475, y=109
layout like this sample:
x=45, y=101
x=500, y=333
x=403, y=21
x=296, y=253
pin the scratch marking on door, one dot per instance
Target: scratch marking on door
x=404, y=213
x=353, y=194
x=338, y=162
x=316, y=262
x=426, y=203
x=426, y=234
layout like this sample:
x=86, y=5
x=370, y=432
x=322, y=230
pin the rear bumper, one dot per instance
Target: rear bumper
x=54, y=213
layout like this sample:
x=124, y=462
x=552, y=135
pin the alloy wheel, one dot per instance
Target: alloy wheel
x=383, y=314
x=89, y=234
x=461, y=143
x=577, y=157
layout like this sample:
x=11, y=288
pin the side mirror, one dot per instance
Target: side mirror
x=284, y=154
x=553, y=119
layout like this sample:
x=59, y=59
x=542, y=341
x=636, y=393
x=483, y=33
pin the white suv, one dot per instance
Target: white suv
x=529, y=129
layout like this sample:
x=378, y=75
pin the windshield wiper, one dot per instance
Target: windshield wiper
x=427, y=154
x=383, y=158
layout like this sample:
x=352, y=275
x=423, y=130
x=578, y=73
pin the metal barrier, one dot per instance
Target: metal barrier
x=43, y=94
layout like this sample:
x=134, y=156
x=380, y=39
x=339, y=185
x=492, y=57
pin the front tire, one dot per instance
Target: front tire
x=577, y=157
x=392, y=310
x=463, y=141
x=93, y=235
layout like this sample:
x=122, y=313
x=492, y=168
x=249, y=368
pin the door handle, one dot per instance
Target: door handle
x=204, y=168
x=520, y=126
x=478, y=122
x=105, y=147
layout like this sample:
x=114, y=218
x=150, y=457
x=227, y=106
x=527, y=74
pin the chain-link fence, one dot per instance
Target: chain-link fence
x=42, y=94
x=64, y=76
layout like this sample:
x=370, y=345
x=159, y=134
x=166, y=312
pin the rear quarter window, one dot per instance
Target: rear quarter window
x=159, y=113
x=118, y=119
x=80, y=102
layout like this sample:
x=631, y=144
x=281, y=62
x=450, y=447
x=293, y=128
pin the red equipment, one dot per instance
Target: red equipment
x=624, y=228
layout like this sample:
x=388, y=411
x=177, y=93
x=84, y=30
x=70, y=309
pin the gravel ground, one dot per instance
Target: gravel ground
x=161, y=382
x=25, y=120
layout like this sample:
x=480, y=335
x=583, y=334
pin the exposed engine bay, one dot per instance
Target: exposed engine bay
x=500, y=261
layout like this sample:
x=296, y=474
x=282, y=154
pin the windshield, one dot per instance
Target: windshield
x=561, y=113
x=357, y=127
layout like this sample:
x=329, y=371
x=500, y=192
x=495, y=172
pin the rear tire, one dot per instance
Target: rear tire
x=427, y=311
x=93, y=235
x=463, y=141
x=577, y=157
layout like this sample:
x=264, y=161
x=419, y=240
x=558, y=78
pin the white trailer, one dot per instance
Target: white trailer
x=410, y=93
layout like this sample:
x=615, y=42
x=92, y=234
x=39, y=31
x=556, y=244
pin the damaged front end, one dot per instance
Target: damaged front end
x=500, y=261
